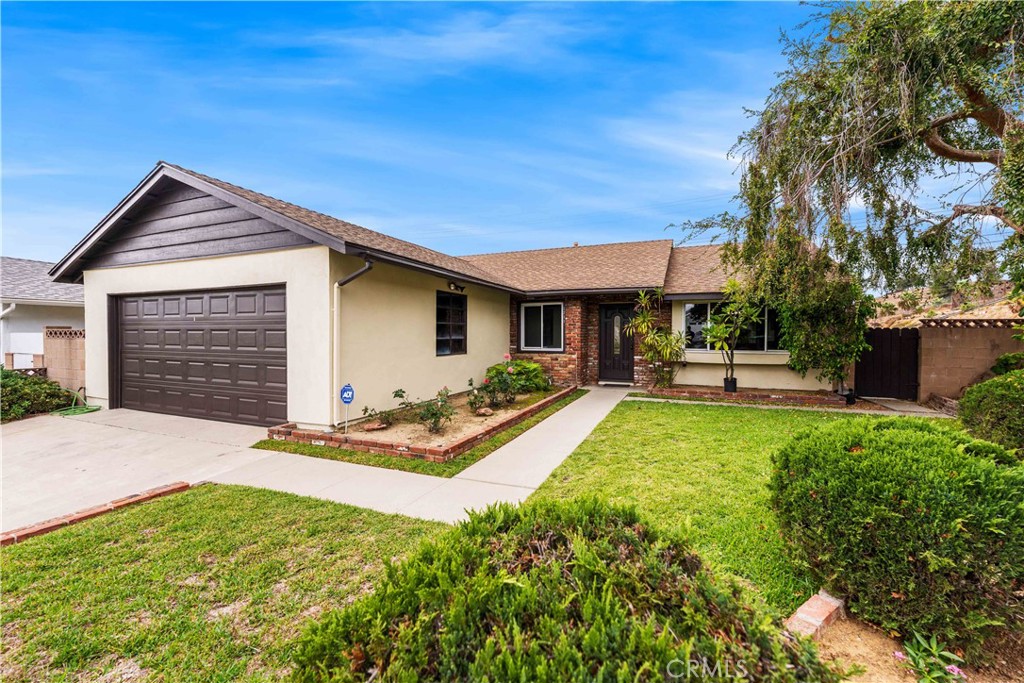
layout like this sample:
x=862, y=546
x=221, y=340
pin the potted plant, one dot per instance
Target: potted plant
x=726, y=326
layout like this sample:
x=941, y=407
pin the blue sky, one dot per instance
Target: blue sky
x=463, y=127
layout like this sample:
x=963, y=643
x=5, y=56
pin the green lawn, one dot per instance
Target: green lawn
x=437, y=469
x=207, y=585
x=702, y=467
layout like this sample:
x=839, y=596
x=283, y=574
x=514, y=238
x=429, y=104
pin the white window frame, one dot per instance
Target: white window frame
x=707, y=346
x=522, y=325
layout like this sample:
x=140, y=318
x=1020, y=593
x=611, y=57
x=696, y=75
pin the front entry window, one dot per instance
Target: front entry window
x=617, y=334
x=540, y=326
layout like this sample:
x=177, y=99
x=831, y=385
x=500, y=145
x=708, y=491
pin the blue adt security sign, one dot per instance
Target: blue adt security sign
x=348, y=394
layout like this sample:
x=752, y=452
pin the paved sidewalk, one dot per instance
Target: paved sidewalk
x=509, y=474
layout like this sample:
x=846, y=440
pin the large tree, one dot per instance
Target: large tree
x=892, y=148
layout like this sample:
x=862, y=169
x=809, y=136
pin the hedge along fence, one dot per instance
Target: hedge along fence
x=994, y=410
x=919, y=526
x=578, y=591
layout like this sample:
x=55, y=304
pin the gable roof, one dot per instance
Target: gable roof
x=619, y=266
x=623, y=266
x=27, y=280
x=342, y=236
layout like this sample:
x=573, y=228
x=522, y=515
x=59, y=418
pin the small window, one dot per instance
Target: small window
x=451, y=323
x=540, y=327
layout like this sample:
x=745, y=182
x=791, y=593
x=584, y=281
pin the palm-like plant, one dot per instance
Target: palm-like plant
x=659, y=345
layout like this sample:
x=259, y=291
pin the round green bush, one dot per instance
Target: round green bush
x=919, y=526
x=21, y=395
x=554, y=592
x=994, y=409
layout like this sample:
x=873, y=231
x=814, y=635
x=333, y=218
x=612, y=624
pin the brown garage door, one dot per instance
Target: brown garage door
x=216, y=354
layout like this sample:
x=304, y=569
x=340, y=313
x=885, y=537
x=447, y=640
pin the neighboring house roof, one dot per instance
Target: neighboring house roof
x=620, y=266
x=696, y=270
x=26, y=280
x=995, y=307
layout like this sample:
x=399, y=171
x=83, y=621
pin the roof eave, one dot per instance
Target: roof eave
x=387, y=257
x=539, y=293
x=21, y=301
x=694, y=296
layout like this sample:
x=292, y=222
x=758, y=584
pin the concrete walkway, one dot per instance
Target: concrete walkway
x=509, y=474
x=55, y=466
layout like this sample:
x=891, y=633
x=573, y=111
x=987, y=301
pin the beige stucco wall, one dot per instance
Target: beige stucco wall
x=387, y=334
x=305, y=273
x=754, y=369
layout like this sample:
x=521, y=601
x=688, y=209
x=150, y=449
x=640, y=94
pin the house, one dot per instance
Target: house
x=207, y=299
x=30, y=301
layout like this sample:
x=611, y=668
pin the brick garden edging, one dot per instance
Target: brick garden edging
x=804, y=399
x=49, y=525
x=362, y=441
x=815, y=615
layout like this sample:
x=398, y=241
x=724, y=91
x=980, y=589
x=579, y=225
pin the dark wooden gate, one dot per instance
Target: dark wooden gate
x=890, y=368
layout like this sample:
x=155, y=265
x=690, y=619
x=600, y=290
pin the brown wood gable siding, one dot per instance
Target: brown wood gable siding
x=182, y=222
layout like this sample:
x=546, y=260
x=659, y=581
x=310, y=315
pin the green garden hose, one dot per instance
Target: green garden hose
x=75, y=408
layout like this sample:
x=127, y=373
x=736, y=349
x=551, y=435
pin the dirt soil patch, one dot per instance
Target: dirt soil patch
x=407, y=429
x=853, y=642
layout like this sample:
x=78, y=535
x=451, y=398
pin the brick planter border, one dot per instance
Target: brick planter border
x=49, y=525
x=808, y=399
x=362, y=441
x=814, y=616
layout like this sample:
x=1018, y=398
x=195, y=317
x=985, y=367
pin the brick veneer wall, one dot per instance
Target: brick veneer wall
x=579, y=362
x=953, y=358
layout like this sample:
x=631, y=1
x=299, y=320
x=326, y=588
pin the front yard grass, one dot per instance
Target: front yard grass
x=702, y=469
x=208, y=585
x=437, y=469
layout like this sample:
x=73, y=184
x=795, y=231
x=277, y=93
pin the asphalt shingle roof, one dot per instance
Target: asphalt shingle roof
x=623, y=265
x=696, y=270
x=26, y=279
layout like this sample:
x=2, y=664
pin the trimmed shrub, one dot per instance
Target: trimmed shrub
x=21, y=395
x=919, y=526
x=528, y=376
x=554, y=592
x=994, y=409
x=1008, y=362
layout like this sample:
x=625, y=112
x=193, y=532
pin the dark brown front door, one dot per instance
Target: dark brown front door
x=615, y=347
x=215, y=354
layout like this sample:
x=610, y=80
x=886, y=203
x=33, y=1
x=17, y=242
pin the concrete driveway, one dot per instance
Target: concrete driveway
x=54, y=466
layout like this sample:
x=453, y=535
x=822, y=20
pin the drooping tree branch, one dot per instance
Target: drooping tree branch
x=993, y=210
x=934, y=141
x=984, y=112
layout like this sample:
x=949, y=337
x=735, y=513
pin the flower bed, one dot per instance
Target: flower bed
x=427, y=449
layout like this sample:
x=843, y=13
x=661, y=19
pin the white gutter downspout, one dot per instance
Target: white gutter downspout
x=336, y=351
x=3, y=313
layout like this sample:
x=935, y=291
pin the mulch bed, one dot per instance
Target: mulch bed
x=371, y=442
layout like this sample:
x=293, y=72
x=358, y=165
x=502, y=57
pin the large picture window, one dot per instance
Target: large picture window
x=760, y=336
x=451, y=323
x=540, y=326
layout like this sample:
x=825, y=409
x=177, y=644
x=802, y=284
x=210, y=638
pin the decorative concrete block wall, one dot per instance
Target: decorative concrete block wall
x=64, y=353
x=958, y=353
